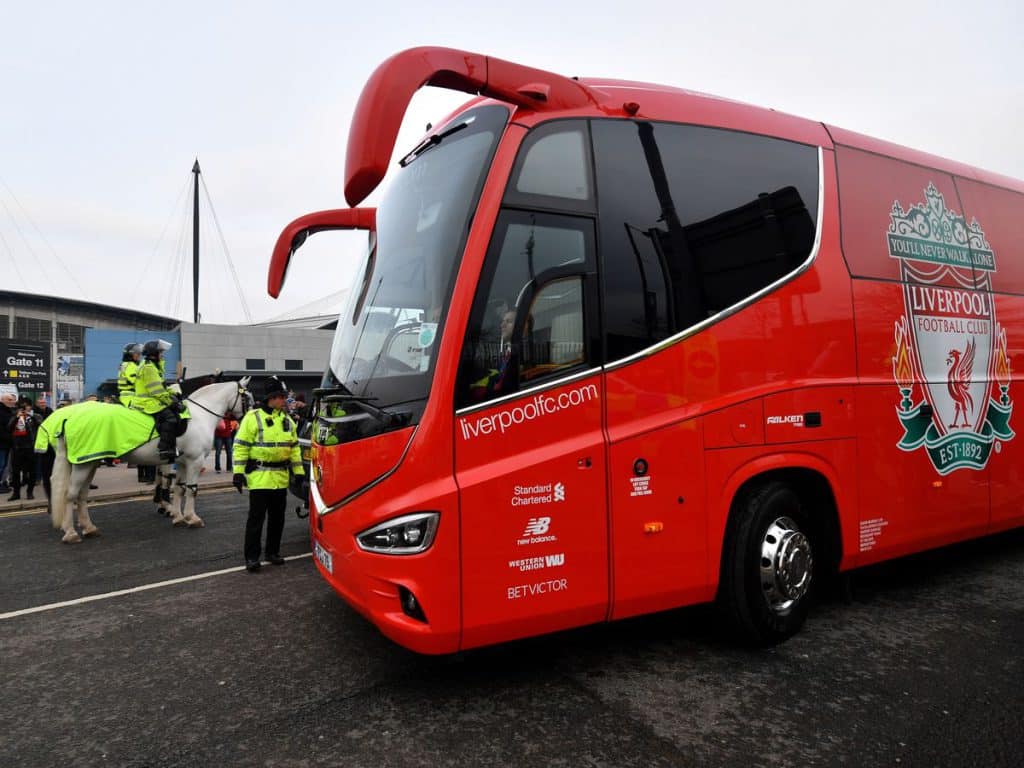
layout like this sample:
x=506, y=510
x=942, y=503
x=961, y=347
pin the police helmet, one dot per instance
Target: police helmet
x=272, y=387
x=130, y=350
x=151, y=349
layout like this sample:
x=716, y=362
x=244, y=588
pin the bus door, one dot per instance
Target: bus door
x=529, y=440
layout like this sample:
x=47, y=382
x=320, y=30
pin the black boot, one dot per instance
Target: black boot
x=14, y=496
x=29, y=494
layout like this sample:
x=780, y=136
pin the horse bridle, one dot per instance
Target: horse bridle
x=238, y=393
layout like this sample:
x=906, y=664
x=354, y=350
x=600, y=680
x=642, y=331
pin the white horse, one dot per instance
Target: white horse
x=70, y=482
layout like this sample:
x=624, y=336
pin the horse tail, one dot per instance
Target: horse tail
x=59, y=481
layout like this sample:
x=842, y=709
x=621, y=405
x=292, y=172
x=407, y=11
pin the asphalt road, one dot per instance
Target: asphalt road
x=923, y=669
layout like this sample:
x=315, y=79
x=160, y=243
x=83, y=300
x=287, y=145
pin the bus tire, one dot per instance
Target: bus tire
x=767, y=565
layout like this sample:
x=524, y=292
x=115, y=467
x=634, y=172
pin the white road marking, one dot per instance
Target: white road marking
x=143, y=588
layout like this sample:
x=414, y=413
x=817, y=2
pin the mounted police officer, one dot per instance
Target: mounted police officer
x=128, y=372
x=154, y=398
x=266, y=450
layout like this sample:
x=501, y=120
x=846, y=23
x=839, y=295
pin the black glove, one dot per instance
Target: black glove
x=238, y=481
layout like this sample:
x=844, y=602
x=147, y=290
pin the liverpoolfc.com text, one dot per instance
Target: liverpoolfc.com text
x=540, y=405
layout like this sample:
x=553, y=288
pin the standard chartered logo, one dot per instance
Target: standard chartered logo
x=540, y=405
x=559, y=492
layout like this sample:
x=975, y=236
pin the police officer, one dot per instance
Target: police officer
x=266, y=449
x=128, y=372
x=154, y=398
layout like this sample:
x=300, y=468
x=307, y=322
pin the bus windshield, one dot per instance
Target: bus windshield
x=384, y=349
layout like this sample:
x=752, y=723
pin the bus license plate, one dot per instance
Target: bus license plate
x=323, y=556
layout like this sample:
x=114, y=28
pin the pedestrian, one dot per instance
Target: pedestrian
x=223, y=438
x=266, y=450
x=8, y=407
x=22, y=427
x=44, y=461
x=43, y=408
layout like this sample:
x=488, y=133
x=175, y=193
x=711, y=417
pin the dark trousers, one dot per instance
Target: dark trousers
x=226, y=444
x=23, y=468
x=44, y=462
x=5, y=453
x=167, y=427
x=271, y=505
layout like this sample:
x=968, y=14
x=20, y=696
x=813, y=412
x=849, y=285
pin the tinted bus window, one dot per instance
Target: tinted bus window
x=527, y=324
x=693, y=221
x=552, y=169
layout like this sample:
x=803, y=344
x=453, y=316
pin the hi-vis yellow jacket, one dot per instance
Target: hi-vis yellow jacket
x=126, y=376
x=270, y=441
x=151, y=394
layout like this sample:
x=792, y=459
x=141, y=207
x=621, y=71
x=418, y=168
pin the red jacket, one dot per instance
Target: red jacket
x=225, y=428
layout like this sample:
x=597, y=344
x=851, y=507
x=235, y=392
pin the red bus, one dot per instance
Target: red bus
x=618, y=347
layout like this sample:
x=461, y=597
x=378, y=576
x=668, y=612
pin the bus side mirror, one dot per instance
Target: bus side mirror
x=294, y=235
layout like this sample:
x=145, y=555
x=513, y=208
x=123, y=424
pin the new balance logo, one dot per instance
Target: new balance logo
x=537, y=526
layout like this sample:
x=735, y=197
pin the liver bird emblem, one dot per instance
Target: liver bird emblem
x=959, y=381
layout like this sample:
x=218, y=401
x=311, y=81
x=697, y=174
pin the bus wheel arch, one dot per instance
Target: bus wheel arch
x=782, y=542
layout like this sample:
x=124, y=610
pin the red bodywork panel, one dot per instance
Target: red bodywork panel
x=350, y=466
x=617, y=504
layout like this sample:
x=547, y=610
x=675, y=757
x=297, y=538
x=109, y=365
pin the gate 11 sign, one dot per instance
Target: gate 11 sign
x=25, y=365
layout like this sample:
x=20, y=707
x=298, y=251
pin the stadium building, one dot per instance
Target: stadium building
x=70, y=349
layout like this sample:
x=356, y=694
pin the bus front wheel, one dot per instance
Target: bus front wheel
x=768, y=565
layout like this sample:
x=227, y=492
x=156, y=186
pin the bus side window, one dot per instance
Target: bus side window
x=553, y=169
x=554, y=337
x=695, y=220
x=528, y=321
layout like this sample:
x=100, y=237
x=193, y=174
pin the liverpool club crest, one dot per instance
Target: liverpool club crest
x=948, y=341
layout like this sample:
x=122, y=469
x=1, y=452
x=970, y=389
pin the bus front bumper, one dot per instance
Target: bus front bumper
x=373, y=584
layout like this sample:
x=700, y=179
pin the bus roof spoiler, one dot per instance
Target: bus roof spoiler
x=294, y=235
x=387, y=93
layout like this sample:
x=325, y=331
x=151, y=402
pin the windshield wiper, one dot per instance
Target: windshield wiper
x=432, y=141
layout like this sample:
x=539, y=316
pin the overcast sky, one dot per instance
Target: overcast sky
x=105, y=105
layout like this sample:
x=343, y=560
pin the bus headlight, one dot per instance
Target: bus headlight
x=406, y=535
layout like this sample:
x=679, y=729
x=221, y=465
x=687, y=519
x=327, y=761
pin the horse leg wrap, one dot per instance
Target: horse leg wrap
x=193, y=489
